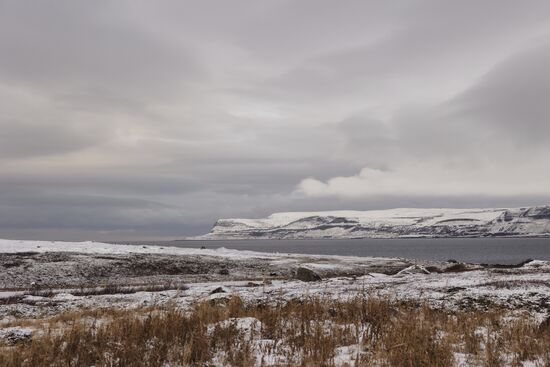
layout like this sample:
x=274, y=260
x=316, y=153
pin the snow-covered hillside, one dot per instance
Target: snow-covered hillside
x=534, y=221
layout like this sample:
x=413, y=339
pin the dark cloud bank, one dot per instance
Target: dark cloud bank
x=134, y=120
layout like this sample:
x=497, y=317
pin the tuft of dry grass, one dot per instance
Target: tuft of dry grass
x=294, y=333
x=84, y=290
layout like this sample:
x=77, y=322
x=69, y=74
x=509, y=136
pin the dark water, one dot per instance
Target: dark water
x=473, y=250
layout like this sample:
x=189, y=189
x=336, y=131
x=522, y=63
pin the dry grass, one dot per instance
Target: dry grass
x=300, y=333
x=511, y=284
x=84, y=290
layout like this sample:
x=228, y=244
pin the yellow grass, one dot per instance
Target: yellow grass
x=305, y=333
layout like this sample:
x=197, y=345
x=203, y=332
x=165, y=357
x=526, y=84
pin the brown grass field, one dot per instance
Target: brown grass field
x=300, y=333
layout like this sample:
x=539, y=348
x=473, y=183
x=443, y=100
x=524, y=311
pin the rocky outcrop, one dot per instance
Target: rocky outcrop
x=533, y=221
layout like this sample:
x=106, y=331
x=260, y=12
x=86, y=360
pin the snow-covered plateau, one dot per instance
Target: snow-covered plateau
x=392, y=223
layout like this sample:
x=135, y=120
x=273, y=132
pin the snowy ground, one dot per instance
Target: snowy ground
x=39, y=279
x=47, y=265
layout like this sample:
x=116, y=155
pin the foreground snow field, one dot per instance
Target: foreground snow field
x=48, y=277
x=42, y=279
x=404, y=222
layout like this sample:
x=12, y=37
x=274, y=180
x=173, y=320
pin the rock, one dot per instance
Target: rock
x=456, y=268
x=507, y=216
x=525, y=262
x=434, y=269
x=307, y=275
x=218, y=290
x=219, y=299
x=15, y=335
x=455, y=289
x=414, y=269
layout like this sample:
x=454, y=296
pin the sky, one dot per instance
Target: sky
x=129, y=119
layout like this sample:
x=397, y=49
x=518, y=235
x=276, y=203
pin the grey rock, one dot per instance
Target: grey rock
x=307, y=275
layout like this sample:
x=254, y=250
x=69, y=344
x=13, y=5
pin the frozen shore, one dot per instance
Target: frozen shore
x=40, y=277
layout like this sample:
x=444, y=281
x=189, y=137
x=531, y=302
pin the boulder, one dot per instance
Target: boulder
x=307, y=275
x=218, y=290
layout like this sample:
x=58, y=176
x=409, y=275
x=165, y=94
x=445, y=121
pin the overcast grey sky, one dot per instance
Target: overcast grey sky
x=151, y=119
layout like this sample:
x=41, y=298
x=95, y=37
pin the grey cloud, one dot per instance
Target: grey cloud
x=103, y=182
x=42, y=210
x=27, y=139
x=136, y=119
x=86, y=49
x=508, y=104
x=497, y=124
x=512, y=98
x=430, y=40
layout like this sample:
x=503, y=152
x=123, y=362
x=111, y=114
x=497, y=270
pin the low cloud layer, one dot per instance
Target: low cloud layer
x=130, y=119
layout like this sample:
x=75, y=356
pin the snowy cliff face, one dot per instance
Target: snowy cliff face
x=534, y=221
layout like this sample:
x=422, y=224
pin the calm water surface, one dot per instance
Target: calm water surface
x=474, y=250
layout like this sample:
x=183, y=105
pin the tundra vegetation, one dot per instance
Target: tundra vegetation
x=363, y=330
